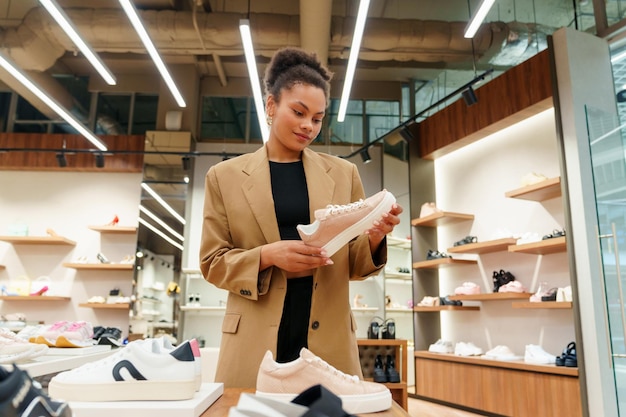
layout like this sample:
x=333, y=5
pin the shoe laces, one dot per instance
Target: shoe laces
x=333, y=209
x=322, y=363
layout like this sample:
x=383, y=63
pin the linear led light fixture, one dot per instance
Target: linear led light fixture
x=12, y=69
x=162, y=202
x=61, y=18
x=354, y=55
x=478, y=18
x=131, y=12
x=248, y=49
x=160, y=233
x=161, y=223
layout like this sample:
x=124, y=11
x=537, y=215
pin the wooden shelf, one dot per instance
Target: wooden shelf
x=398, y=275
x=542, y=247
x=445, y=308
x=100, y=267
x=495, y=296
x=543, y=304
x=498, y=245
x=125, y=230
x=480, y=360
x=442, y=263
x=441, y=218
x=104, y=306
x=38, y=240
x=544, y=190
x=33, y=298
x=369, y=348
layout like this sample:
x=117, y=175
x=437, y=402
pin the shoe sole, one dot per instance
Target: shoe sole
x=123, y=390
x=359, y=227
x=351, y=404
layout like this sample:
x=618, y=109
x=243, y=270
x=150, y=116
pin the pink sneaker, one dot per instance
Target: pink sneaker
x=284, y=381
x=334, y=226
x=468, y=288
x=49, y=336
x=513, y=286
x=78, y=334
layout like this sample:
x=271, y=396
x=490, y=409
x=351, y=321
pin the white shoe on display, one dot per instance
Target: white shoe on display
x=502, y=353
x=133, y=373
x=441, y=346
x=536, y=354
x=467, y=349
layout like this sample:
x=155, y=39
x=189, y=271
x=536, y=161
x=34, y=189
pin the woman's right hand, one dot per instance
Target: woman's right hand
x=293, y=256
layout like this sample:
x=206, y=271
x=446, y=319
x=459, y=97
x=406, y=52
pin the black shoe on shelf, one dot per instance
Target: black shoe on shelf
x=111, y=336
x=390, y=370
x=379, y=371
x=20, y=396
x=98, y=331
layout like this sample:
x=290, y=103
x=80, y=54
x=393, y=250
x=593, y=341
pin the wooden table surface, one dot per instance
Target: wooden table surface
x=230, y=397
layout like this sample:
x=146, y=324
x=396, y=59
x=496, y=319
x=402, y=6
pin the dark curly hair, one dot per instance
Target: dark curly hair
x=290, y=66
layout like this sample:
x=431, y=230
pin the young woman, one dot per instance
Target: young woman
x=285, y=295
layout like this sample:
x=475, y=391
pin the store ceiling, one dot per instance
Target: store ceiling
x=404, y=40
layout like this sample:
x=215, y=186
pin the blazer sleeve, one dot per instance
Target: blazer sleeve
x=222, y=264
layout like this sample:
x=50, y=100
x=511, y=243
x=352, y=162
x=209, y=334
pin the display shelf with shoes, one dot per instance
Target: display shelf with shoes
x=540, y=191
x=29, y=298
x=556, y=305
x=100, y=266
x=433, y=309
x=397, y=242
x=107, y=229
x=442, y=218
x=105, y=306
x=542, y=247
x=491, y=296
x=442, y=263
x=490, y=246
x=371, y=349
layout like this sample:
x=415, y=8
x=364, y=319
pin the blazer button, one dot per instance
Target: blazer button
x=242, y=292
x=315, y=325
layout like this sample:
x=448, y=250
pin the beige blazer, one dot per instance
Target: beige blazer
x=239, y=217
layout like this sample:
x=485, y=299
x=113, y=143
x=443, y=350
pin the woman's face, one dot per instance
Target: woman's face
x=297, y=118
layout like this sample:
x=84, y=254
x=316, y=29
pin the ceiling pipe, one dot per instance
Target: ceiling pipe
x=315, y=23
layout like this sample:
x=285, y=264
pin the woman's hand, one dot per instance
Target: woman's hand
x=293, y=256
x=384, y=226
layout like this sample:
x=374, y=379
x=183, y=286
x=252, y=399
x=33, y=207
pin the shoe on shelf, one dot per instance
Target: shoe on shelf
x=550, y=295
x=390, y=370
x=441, y=346
x=532, y=178
x=564, y=294
x=568, y=357
x=429, y=209
x=528, y=237
x=78, y=334
x=283, y=381
x=467, y=349
x=429, y=301
x=49, y=335
x=132, y=373
x=20, y=396
x=446, y=301
x=513, y=286
x=502, y=353
x=467, y=288
x=379, y=370
x=536, y=354
x=14, y=349
x=555, y=233
x=435, y=254
x=111, y=336
x=466, y=240
x=336, y=225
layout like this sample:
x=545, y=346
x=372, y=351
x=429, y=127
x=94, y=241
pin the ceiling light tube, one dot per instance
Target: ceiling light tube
x=160, y=233
x=61, y=18
x=131, y=12
x=161, y=223
x=248, y=49
x=12, y=69
x=478, y=18
x=352, y=60
x=162, y=202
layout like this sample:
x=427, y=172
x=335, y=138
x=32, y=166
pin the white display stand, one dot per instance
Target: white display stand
x=207, y=395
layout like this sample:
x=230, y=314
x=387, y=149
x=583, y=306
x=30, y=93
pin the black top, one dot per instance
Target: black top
x=291, y=197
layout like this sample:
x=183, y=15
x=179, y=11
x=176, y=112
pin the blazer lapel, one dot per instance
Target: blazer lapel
x=320, y=184
x=258, y=191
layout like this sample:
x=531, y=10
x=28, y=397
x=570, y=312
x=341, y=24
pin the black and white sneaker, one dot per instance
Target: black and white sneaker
x=20, y=396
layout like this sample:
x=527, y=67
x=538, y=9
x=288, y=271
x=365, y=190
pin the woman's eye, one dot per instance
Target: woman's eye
x=298, y=113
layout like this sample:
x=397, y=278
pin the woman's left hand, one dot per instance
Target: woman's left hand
x=384, y=226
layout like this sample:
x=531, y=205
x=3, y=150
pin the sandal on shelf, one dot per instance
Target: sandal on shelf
x=555, y=233
x=466, y=240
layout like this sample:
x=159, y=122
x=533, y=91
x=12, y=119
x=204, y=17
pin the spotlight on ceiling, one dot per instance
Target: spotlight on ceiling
x=365, y=155
x=469, y=96
x=99, y=160
x=61, y=160
x=186, y=163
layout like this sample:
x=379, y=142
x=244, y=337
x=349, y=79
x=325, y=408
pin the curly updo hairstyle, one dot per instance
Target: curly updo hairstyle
x=290, y=66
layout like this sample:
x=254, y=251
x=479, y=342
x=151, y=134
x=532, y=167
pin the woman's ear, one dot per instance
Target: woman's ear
x=270, y=106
